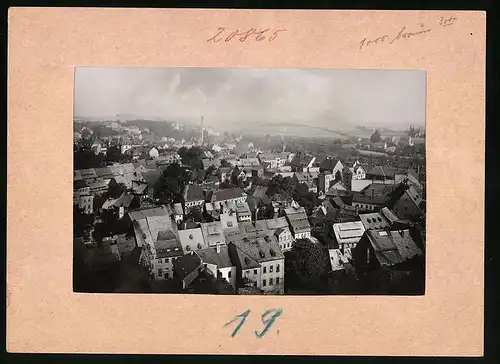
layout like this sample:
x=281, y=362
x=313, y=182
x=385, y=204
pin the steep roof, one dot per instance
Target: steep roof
x=193, y=192
x=228, y=194
x=167, y=245
x=251, y=252
x=192, y=239
x=185, y=265
x=392, y=247
x=210, y=256
x=374, y=221
x=148, y=212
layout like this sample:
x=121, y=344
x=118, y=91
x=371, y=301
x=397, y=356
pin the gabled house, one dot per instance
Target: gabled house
x=193, y=197
x=218, y=262
x=298, y=222
x=187, y=268
x=388, y=259
x=259, y=263
x=221, y=197
x=348, y=234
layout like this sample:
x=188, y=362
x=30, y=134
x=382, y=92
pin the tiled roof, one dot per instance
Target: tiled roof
x=192, y=239
x=212, y=233
x=251, y=252
x=186, y=264
x=148, y=212
x=210, y=256
x=374, y=221
x=392, y=247
x=193, y=193
x=227, y=194
x=177, y=208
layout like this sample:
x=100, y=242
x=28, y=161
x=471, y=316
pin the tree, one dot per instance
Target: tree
x=210, y=170
x=375, y=138
x=114, y=154
x=191, y=157
x=306, y=263
x=283, y=186
x=170, y=185
x=195, y=214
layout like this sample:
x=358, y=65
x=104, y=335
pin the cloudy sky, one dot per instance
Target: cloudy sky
x=333, y=98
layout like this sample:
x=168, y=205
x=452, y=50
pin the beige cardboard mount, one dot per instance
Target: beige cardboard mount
x=44, y=315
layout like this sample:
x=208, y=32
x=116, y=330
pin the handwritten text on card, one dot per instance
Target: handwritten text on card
x=405, y=33
x=252, y=34
x=268, y=318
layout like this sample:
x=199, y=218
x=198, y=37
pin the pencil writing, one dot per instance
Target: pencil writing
x=405, y=32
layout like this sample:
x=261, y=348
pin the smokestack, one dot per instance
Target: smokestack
x=202, y=130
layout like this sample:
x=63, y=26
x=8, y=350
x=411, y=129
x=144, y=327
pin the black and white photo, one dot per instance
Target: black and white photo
x=249, y=181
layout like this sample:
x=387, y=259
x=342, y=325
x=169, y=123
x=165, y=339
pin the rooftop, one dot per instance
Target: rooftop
x=251, y=252
x=228, y=194
x=193, y=192
x=185, y=265
x=210, y=256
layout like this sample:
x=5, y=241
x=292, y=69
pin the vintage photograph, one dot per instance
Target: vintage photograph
x=249, y=181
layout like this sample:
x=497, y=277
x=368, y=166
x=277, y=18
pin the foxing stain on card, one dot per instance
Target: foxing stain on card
x=406, y=33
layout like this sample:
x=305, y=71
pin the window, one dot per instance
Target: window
x=255, y=271
x=277, y=280
x=270, y=281
x=229, y=274
x=263, y=283
x=159, y=261
x=166, y=274
x=160, y=272
x=277, y=268
x=271, y=269
x=264, y=270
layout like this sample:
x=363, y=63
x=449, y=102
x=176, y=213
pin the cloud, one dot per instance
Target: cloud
x=242, y=96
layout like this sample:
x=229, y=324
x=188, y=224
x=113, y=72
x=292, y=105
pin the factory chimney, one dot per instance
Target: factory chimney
x=202, y=130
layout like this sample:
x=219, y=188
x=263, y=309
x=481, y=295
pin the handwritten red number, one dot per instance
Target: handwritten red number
x=220, y=30
x=275, y=34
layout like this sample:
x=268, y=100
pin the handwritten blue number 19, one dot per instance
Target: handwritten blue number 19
x=266, y=321
x=243, y=317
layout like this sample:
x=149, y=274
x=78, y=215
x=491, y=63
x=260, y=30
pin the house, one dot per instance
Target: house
x=229, y=222
x=168, y=158
x=192, y=240
x=213, y=233
x=259, y=263
x=284, y=238
x=122, y=204
x=344, y=211
x=212, y=162
x=303, y=177
x=258, y=171
x=275, y=160
x=98, y=188
x=193, y=197
x=324, y=181
x=298, y=222
x=332, y=166
x=358, y=171
x=374, y=221
x=224, y=173
x=167, y=248
x=410, y=205
x=249, y=162
x=348, y=234
x=218, y=262
x=86, y=203
x=337, y=188
x=178, y=212
x=337, y=260
x=187, y=268
x=390, y=258
x=368, y=203
x=156, y=235
x=243, y=212
x=378, y=190
x=302, y=162
x=153, y=153
x=381, y=174
x=220, y=197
